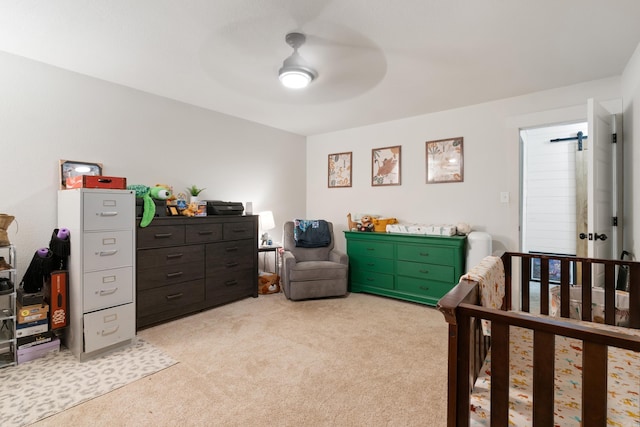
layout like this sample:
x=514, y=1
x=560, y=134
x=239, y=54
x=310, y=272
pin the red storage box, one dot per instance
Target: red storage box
x=96, y=181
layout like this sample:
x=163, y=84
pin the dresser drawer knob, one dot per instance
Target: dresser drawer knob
x=232, y=264
x=424, y=253
x=162, y=235
x=424, y=288
x=370, y=279
x=174, y=296
x=231, y=249
x=231, y=282
x=205, y=233
x=176, y=274
x=371, y=264
x=424, y=271
x=371, y=249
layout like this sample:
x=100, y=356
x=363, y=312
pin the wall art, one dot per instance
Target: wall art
x=339, y=170
x=385, y=166
x=445, y=161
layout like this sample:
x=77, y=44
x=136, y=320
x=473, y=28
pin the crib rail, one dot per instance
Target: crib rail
x=468, y=347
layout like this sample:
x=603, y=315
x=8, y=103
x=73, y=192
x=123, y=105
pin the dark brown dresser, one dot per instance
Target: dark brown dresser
x=185, y=265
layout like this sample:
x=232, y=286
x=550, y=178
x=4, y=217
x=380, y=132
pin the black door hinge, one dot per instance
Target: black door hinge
x=614, y=138
x=615, y=221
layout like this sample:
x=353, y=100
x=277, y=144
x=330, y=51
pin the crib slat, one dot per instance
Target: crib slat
x=634, y=295
x=543, y=377
x=594, y=384
x=499, y=374
x=525, y=292
x=462, y=375
x=609, y=294
x=586, y=291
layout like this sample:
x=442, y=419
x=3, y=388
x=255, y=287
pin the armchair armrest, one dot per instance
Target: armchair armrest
x=338, y=256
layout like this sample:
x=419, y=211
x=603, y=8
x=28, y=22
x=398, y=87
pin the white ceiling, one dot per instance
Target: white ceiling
x=377, y=60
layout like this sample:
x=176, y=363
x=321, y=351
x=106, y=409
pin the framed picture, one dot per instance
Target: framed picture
x=554, y=269
x=385, y=166
x=339, y=170
x=70, y=168
x=173, y=211
x=445, y=161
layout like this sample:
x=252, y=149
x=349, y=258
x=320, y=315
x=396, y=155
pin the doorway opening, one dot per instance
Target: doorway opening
x=553, y=188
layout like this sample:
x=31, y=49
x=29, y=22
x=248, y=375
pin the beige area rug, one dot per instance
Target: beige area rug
x=40, y=388
x=362, y=360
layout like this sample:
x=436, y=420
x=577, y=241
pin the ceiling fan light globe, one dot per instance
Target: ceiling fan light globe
x=295, y=79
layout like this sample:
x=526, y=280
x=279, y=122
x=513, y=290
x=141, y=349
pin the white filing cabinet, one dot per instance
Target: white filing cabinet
x=102, y=293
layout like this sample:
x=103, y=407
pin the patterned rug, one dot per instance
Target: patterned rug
x=43, y=387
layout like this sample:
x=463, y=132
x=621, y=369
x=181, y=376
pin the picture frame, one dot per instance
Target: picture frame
x=339, y=170
x=173, y=211
x=554, y=269
x=445, y=160
x=69, y=168
x=386, y=166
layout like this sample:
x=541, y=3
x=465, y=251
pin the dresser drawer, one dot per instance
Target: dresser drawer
x=238, y=230
x=369, y=278
x=110, y=326
x=107, y=249
x=158, y=236
x=107, y=288
x=443, y=273
x=359, y=248
x=155, y=258
x=108, y=211
x=168, y=275
x=380, y=265
x=228, y=287
x=426, y=253
x=158, y=300
x=201, y=233
x=434, y=290
x=233, y=255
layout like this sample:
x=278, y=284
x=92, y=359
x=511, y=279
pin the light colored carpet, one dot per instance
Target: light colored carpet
x=362, y=360
x=58, y=381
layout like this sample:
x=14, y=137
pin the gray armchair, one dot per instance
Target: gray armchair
x=312, y=272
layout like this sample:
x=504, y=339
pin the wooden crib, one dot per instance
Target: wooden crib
x=469, y=347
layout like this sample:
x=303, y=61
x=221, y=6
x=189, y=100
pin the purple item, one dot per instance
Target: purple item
x=43, y=252
x=63, y=233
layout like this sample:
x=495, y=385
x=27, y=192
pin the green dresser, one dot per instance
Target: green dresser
x=412, y=267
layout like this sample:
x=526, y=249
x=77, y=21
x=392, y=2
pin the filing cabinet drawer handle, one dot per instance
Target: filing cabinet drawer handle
x=108, y=253
x=172, y=256
x=162, y=235
x=231, y=282
x=108, y=291
x=232, y=264
x=110, y=331
x=176, y=274
x=107, y=213
x=174, y=296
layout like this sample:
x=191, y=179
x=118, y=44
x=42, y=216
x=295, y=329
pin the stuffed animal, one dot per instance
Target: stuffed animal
x=268, y=283
x=191, y=210
x=463, y=228
x=365, y=224
x=147, y=194
x=169, y=188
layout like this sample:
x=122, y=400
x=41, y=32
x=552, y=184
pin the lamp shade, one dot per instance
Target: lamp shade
x=266, y=221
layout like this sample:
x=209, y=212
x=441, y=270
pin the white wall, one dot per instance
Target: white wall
x=491, y=162
x=47, y=114
x=631, y=126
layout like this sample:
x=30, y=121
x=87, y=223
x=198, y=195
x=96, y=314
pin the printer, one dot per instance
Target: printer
x=218, y=207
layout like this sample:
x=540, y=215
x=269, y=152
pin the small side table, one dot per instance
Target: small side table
x=274, y=249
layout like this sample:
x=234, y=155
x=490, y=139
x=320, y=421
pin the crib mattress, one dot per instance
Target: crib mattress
x=623, y=404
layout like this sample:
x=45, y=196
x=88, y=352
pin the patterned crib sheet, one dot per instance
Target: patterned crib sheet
x=623, y=404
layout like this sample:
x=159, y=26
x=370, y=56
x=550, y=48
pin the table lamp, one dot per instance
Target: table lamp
x=266, y=223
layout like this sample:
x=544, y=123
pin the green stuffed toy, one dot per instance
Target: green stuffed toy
x=147, y=194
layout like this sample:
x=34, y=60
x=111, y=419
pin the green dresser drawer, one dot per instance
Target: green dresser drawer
x=371, y=279
x=357, y=248
x=435, y=290
x=426, y=253
x=444, y=273
x=380, y=265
